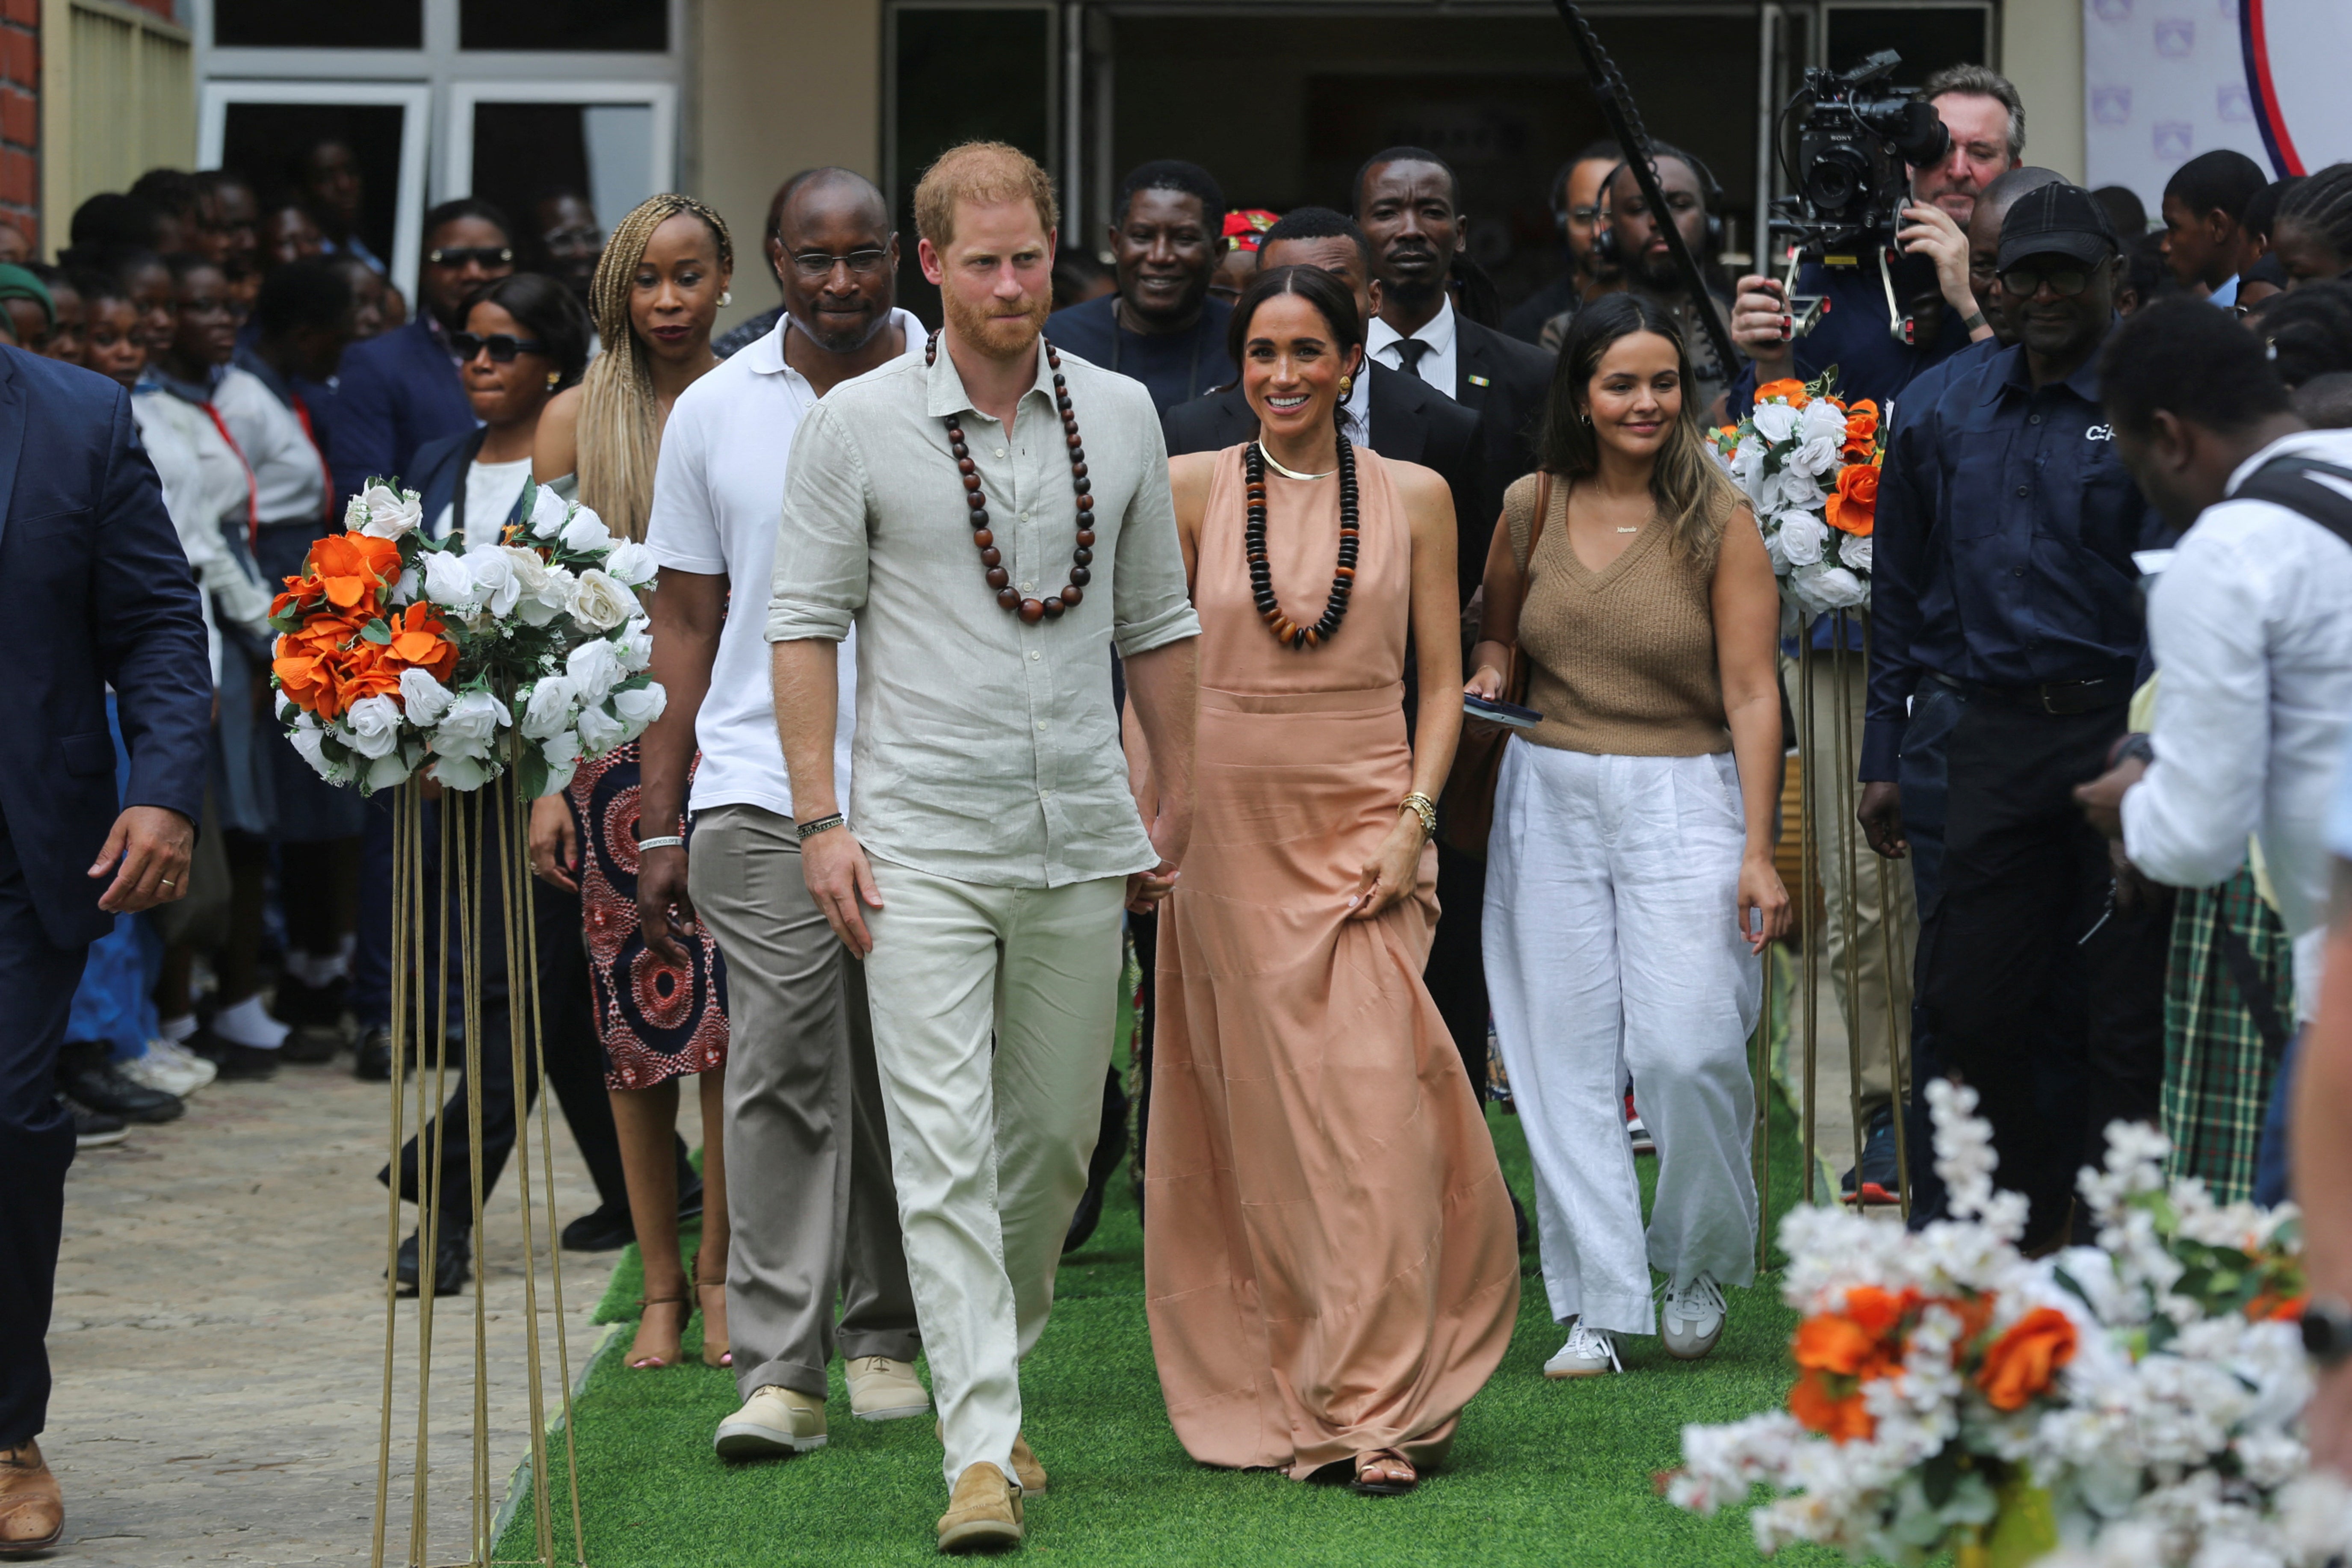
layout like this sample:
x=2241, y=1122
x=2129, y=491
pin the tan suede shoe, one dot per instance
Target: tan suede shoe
x=774, y=1423
x=33, y=1511
x=1026, y=1468
x=984, y=1514
x=881, y=1389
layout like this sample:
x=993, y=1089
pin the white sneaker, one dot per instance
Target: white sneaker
x=169, y=1069
x=1693, y=1318
x=774, y=1423
x=881, y=1389
x=1587, y=1353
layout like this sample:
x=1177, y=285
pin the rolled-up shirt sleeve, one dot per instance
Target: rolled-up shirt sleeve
x=819, y=583
x=2186, y=823
x=1151, y=606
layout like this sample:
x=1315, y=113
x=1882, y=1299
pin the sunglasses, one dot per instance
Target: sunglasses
x=2024, y=282
x=479, y=254
x=816, y=266
x=502, y=346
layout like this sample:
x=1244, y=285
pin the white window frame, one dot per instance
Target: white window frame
x=457, y=140
x=415, y=98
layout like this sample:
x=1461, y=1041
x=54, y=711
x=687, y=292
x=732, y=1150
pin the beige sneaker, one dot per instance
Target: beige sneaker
x=774, y=1423
x=984, y=1513
x=881, y=1389
x=1026, y=1468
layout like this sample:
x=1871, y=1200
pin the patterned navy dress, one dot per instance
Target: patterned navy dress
x=655, y=1022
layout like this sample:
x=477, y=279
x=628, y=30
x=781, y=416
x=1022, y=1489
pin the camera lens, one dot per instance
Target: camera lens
x=1836, y=177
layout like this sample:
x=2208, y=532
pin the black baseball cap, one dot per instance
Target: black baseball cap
x=2057, y=220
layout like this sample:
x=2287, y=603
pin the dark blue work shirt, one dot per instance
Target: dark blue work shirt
x=2002, y=549
x=1176, y=367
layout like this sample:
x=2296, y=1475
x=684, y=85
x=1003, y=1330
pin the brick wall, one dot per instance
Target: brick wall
x=20, y=116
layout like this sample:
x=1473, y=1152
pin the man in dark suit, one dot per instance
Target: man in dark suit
x=1395, y=415
x=1411, y=206
x=102, y=595
x=400, y=390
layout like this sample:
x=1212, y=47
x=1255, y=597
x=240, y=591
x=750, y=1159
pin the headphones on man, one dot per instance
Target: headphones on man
x=1710, y=197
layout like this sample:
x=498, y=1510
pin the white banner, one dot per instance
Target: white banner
x=2295, y=52
x=2164, y=80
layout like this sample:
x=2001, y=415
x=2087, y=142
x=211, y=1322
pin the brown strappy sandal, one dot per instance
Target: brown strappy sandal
x=1367, y=1486
x=638, y=1362
x=715, y=1351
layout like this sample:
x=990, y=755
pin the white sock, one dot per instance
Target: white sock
x=316, y=971
x=177, y=1030
x=249, y=1024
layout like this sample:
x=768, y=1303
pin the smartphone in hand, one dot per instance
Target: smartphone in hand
x=1494, y=711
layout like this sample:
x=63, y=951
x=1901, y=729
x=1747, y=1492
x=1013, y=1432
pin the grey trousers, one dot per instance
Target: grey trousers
x=809, y=1195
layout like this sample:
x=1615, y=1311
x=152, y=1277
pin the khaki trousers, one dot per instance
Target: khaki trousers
x=993, y=1017
x=1833, y=829
x=808, y=1155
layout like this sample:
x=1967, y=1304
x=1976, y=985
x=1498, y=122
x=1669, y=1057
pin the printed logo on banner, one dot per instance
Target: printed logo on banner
x=2112, y=10
x=2111, y=105
x=2172, y=139
x=2229, y=9
x=2176, y=38
x=2233, y=103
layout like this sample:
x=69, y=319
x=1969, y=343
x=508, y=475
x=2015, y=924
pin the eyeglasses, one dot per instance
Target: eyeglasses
x=502, y=346
x=479, y=254
x=2024, y=282
x=816, y=266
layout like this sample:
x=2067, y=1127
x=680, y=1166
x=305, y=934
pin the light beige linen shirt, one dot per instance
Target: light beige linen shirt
x=987, y=750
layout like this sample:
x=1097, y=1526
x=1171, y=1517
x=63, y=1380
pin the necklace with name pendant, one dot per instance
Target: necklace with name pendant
x=991, y=560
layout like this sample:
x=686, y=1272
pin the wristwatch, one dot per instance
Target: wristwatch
x=1975, y=320
x=2327, y=1331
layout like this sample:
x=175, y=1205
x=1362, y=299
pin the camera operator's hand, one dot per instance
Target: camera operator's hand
x=1930, y=231
x=1763, y=328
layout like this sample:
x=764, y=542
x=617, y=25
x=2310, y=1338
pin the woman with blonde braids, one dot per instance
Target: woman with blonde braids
x=657, y=289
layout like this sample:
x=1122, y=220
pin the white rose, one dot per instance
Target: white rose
x=464, y=773
x=1801, y=537
x=595, y=668
x=424, y=699
x=639, y=707
x=448, y=581
x=1776, y=421
x=562, y=756
x=547, y=513
x=586, y=535
x=469, y=726
x=637, y=645
x=1817, y=455
x=391, y=513
x=540, y=600
x=599, y=731
x=375, y=726
x=496, y=586
x=406, y=588
x=1853, y=553
x=1821, y=589
x=548, y=712
x=1791, y=490
x=1821, y=421
x=632, y=563
x=285, y=705
x=384, y=773
x=600, y=602
x=312, y=742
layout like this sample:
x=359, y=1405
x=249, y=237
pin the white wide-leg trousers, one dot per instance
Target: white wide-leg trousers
x=1612, y=947
x=993, y=1014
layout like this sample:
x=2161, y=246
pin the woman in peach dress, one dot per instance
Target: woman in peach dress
x=1330, y=1265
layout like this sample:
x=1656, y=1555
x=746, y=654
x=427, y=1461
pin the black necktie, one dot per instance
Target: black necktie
x=1410, y=349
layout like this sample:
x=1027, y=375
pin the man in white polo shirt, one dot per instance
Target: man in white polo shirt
x=805, y=1120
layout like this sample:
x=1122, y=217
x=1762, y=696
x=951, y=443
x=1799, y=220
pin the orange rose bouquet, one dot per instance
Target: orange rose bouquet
x=2138, y=1401
x=397, y=652
x=1808, y=463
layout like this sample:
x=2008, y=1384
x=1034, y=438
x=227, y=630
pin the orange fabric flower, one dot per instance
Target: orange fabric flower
x=353, y=566
x=420, y=640
x=1818, y=1409
x=1861, y=424
x=2024, y=1362
x=1835, y=1343
x=1789, y=388
x=2270, y=1306
x=1853, y=509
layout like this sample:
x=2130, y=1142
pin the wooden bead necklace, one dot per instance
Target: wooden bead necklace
x=991, y=559
x=1287, y=632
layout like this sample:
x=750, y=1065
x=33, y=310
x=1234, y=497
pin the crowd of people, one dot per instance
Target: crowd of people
x=1305, y=487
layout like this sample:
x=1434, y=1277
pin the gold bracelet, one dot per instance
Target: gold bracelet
x=1424, y=809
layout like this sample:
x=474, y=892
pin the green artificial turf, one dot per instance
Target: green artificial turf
x=1543, y=1473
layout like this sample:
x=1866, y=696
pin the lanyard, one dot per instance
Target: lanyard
x=327, y=505
x=252, y=491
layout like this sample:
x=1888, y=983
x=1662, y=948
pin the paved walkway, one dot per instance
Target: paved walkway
x=218, y=1343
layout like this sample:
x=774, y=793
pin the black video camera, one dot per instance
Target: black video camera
x=1851, y=179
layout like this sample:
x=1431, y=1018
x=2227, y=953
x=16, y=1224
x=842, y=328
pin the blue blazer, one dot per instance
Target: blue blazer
x=102, y=595
x=393, y=395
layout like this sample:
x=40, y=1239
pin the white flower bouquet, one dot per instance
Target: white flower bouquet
x=1809, y=464
x=397, y=653
x=2137, y=1402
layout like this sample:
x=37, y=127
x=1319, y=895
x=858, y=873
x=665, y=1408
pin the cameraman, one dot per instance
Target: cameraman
x=1986, y=122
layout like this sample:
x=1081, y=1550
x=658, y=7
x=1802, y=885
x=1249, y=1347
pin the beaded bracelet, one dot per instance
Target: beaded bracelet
x=807, y=830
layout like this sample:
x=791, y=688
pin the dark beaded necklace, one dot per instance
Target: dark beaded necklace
x=1030, y=610
x=1343, y=579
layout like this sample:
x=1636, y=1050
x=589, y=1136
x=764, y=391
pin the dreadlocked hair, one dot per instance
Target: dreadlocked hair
x=2322, y=204
x=619, y=435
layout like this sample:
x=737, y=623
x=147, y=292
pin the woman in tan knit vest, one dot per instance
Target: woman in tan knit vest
x=1630, y=884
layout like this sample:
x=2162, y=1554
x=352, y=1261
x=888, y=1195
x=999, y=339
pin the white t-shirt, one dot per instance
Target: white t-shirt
x=717, y=495
x=491, y=492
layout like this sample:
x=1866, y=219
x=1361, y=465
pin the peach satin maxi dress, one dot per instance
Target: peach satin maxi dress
x=1330, y=1260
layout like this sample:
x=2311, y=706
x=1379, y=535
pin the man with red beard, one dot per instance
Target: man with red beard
x=996, y=839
